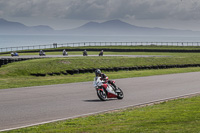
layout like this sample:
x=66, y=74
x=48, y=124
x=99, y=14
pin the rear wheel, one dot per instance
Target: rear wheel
x=102, y=95
x=120, y=95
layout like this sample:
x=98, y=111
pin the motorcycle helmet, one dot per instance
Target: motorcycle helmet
x=97, y=72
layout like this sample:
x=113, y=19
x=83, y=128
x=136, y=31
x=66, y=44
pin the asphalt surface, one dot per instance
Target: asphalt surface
x=21, y=107
x=48, y=56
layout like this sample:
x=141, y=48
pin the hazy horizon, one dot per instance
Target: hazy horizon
x=68, y=14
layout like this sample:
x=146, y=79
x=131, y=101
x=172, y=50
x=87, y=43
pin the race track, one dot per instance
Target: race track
x=21, y=107
x=59, y=56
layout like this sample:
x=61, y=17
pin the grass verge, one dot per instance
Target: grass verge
x=27, y=81
x=181, y=116
x=53, y=65
x=17, y=74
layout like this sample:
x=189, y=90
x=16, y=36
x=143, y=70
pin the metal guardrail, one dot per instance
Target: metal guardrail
x=79, y=44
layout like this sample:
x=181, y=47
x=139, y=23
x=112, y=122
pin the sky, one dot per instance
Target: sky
x=67, y=14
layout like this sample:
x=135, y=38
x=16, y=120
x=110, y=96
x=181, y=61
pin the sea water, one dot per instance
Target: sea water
x=30, y=40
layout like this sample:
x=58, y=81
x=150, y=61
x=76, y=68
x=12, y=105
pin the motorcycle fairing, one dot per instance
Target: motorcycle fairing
x=109, y=89
x=110, y=95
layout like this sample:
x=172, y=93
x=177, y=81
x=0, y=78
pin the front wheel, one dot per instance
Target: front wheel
x=120, y=94
x=102, y=95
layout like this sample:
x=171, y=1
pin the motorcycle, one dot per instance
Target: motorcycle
x=14, y=54
x=101, y=53
x=85, y=53
x=65, y=53
x=42, y=53
x=106, y=90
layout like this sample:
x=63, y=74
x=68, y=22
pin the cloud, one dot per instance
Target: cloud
x=102, y=9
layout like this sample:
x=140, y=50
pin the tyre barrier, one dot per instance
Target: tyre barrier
x=38, y=74
x=116, y=69
x=4, y=61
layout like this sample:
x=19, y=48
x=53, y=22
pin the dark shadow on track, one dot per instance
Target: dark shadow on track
x=94, y=100
x=97, y=100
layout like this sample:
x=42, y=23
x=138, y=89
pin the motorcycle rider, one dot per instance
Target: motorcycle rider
x=65, y=52
x=101, y=53
x=41, y=53
x=104, y=77
x=85, y=53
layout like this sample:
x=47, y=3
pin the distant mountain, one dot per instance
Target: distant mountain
x=117, y=27
x=8, y=27
x=108, y=25
x=112, y=27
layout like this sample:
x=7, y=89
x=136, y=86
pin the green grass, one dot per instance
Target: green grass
x=27, y=81
x=17, y=74
x=178, y=116
x=49, y=65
